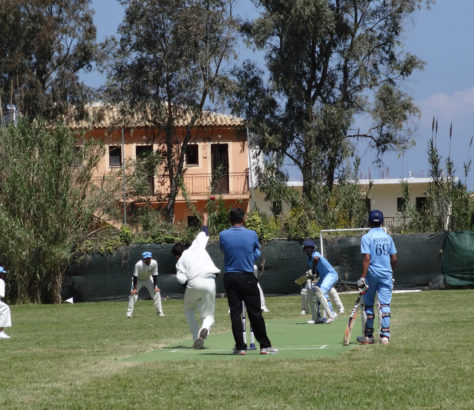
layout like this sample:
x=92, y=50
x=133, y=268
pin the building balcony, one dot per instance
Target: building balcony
x=197, y=186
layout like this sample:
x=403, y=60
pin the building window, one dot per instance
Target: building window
x=420, y=202
x=77, y=159
x=401, y=204
x=193, y=222
x=192, y=155
x=115, y=156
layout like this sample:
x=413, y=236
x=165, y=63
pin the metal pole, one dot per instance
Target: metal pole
x=124, y=180
x=251, y=182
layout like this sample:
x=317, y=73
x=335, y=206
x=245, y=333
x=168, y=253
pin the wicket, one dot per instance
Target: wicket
x=251, y=346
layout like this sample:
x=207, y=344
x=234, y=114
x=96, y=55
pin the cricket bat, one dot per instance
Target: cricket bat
x=301, y=280
x=350, y=324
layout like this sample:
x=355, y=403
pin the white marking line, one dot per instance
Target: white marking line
x=279, y=348
x=353, y=292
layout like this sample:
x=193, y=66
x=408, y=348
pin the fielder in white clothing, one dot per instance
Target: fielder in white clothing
x=5, y=317
x=145, y=275
x=196, y=270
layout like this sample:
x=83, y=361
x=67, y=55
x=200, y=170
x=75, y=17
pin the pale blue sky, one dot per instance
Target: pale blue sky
x=444, y=38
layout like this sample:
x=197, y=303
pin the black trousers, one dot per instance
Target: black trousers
x=243, y=287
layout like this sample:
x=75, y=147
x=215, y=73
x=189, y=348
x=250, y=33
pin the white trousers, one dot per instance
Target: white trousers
x=5, y=316
x=200, y=298
x=132, y=299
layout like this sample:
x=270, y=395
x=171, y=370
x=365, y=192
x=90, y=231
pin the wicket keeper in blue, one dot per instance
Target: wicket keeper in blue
x=379, y=261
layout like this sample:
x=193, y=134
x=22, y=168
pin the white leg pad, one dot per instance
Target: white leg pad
x=337, y=300
x=324, y=303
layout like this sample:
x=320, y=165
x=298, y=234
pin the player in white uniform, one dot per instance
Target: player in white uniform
x=5, y=316
x=380, y=258
x=145, y=275
x=197, y=271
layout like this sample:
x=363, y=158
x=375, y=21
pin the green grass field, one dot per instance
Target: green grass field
x=87, y=356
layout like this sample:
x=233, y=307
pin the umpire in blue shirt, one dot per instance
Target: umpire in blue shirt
x=239, y=246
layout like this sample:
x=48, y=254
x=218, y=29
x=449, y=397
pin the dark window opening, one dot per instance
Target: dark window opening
x=192, y=155
x=193, y=222
x=420, y=202
x=115, y=156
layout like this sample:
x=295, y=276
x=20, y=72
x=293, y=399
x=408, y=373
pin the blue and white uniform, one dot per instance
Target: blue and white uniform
x=380, y=246
x=328, y=276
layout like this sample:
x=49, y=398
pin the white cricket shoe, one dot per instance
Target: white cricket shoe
x=268, y=350
x=311, y=322
x=161, y=314
x=3, y=335
x=264, y=309
x=304, y=312
x=129, y=315
x=199, y=342
x=384, y=340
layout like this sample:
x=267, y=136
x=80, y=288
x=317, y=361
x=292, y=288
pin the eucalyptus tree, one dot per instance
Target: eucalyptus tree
x=44, y=46
x=327, y=61
x=170, y=64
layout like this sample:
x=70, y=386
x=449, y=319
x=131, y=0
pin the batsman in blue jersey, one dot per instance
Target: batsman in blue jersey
x=379, y=260
x=326, y=279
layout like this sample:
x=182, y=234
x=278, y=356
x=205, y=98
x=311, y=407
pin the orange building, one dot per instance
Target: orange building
x=217, y=156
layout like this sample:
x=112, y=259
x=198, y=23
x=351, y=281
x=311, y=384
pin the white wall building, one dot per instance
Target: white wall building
x=385, y=195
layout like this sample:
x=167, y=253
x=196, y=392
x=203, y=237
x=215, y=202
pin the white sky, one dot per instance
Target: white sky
x=444, y=38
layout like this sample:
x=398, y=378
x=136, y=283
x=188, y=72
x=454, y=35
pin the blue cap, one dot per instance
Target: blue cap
x=2, y=270
x=375, y=216
x=146, y=255
x=308, y=243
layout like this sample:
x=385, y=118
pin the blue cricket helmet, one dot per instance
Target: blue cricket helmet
x=308, y=243
x=375, y=216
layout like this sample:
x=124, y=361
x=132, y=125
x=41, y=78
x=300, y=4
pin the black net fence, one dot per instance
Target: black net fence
x=425, y=261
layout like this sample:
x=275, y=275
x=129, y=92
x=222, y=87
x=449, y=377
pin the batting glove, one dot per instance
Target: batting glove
x=309, y=274
x=362, y=285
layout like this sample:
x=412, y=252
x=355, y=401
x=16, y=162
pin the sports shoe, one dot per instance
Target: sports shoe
x=199, y=342
x=3, y=335
x=365, y=340
x=129, y=316
x=384, y=340
x=341, y=311
x=304, y=312
x=268, y=350
x=161, y=314
x=264, y=309
x=330, y=319
x=239, y=352
x=311, y=322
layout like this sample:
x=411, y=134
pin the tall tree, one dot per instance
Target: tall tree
x=169, y=65
x=327, y=61
x=44, y=45
x=48, y=205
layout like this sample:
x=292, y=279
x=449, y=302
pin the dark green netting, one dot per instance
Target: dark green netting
x=420, y=265
x=458, y=258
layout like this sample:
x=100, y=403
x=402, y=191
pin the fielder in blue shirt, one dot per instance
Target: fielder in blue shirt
x=379, y=261
x=241, y=247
